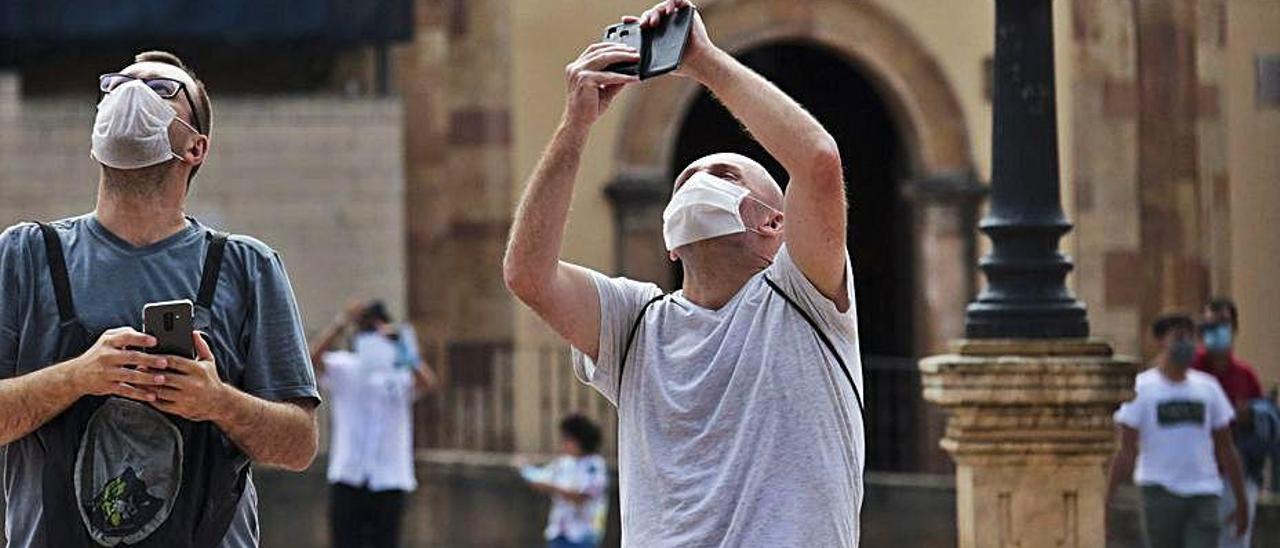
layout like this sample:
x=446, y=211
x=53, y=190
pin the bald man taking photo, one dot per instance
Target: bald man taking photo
x=738, y=396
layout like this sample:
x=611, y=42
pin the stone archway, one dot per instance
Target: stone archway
x=940, y=180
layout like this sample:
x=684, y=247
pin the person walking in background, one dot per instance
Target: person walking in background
x=577, y=483
x=1221, y=323
x=372, y=388
x=1177, y=429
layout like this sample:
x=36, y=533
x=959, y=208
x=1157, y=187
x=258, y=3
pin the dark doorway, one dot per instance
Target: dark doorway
x=840, y=96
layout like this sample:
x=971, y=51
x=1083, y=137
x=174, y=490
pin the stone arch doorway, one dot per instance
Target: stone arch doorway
x=930, y=181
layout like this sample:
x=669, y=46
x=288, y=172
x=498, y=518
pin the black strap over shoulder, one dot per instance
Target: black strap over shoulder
x=631, y=335
x=831, y=347
x=58, y=272
x=822, y=336
x=212, y=265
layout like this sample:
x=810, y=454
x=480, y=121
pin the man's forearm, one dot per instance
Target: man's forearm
x=1121, y=468
x=29, y=401
x=533, y=251
x=279, y=434
x=785, y=129
x=1235, y=475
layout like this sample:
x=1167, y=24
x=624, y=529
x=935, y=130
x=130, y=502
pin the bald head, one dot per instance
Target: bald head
x=739, y=170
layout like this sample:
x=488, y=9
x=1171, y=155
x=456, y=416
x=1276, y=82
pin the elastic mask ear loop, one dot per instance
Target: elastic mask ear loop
x=771, y=209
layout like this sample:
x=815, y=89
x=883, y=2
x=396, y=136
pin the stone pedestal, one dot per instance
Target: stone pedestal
x=1030, y=431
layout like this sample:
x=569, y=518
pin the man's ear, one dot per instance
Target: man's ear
x=196, y=150
x=774, y=225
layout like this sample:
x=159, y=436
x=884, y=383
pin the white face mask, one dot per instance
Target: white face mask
x=131, y=129
x=704, y=207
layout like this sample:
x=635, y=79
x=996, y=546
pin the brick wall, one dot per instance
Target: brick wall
x=320, y=179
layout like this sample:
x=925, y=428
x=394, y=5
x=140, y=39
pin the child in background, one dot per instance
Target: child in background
x=576, y=482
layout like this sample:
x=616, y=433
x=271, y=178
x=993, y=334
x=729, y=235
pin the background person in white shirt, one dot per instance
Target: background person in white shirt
x=576, y=482
x=1178, y=430
x=739, y=417
x=371, y=390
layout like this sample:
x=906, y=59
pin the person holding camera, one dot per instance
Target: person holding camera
x=371, y=389
x=738, y=396
x=103, y=442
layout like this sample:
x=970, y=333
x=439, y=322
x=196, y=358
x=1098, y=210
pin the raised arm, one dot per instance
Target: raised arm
x=560, y=293
x=815, y=206
x=325, y=342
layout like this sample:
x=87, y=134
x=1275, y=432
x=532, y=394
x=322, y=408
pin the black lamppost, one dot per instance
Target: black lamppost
x=1026, y=294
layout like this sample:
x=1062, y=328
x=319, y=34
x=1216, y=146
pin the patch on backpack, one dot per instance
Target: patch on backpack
x=128, y=472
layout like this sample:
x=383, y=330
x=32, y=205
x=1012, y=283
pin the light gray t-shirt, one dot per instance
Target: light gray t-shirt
x=736, y=426
x=254, y=323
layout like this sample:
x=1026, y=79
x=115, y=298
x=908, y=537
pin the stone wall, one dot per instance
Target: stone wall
x=320, y=179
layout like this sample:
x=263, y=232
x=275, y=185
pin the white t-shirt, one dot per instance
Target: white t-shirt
x=736, y=425
x=576, y=522
x=1175, y=423
x=370, y=392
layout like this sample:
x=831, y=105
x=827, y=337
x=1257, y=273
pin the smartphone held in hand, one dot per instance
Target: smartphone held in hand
x=171, y=323
x=660, y=47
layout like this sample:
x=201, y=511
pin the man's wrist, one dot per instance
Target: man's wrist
x=69, y=378
x=573, y=128
x=706, y=66
x=226, y=405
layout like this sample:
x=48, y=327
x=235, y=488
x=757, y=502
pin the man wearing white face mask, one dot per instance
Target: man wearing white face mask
x=739, y=396
x=102, y=444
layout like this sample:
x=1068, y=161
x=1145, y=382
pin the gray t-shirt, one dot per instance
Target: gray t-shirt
x=736, y=426
x=254, y=321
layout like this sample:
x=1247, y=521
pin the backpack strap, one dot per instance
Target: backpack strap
x=58, y=272
x=831, y=347
x=212, y=266
x=631, y=335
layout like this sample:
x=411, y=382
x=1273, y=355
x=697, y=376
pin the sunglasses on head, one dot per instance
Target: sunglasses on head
x=164, y=87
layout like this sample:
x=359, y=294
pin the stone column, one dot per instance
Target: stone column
x=1030, y=431
x=638, y=200
x=1030, y=395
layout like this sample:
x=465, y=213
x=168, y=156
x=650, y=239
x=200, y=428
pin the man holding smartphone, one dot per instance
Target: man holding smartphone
x=102, y=442
x=739, y=395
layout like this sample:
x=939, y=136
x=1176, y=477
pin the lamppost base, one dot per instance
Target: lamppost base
x=1030, y=431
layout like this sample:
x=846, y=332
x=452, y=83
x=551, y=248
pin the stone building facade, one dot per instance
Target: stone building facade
x=1165, y=146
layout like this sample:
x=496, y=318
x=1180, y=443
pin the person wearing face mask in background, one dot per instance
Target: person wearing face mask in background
x=1177, y=430
x=738, y=396
x=1240, y=383
x=102, y=444
x=371, y=388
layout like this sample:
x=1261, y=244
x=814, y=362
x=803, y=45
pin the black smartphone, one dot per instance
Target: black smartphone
x=171, y=323
x=660, y=47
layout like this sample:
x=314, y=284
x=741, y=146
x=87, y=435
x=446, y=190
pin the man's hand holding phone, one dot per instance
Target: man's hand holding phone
x=698, y=49
x=590, y=87
x=112, y=368
x=192, y=388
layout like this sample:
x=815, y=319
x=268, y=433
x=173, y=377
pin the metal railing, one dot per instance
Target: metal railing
x=477, y=409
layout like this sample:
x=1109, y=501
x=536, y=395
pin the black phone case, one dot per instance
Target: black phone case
x=660, y=47
x=173, y=336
